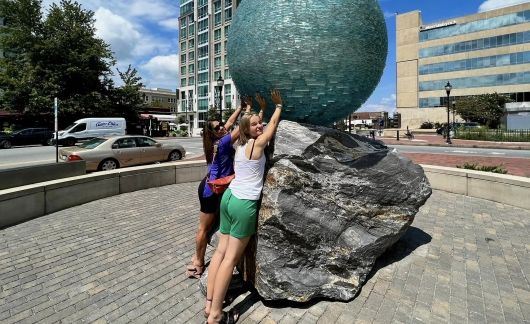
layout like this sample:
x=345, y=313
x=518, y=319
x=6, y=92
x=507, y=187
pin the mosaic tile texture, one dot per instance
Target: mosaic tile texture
x=326, y=56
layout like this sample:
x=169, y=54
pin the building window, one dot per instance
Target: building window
x=203, y=38
x=182, y=70
x=217, y=48
x=203, y=64
x=202, y=12
x=191, y=56
x=217, y=63
x=479, y=81
x=478, y=25
x=228, y=3
x=203, y=104
x=218, y=19
x=203, y=51
x=476, y=63
x=217, y=6
x=191, y=68
x=227, y=74
x=217, y=34
x=183, y=82
x=475, y=45
x=228, y=89
x=202, y=91
x=203, y=77
x=183, y=46
x=216, y=75
x=191, y=44
x=202, y=25
x=191, y=80
x=226, y=31
x=228, y=14
x=183, y=58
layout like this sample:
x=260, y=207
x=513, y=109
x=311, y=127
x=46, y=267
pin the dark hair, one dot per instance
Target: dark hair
x=208, y=139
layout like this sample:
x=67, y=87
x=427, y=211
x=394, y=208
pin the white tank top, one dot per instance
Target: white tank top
x=248, y=182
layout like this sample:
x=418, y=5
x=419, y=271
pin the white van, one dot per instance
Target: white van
x=87, y=128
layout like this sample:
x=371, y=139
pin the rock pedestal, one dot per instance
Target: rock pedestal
x=332, y=203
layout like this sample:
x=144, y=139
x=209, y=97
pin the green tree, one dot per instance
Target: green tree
x=487, y=109
x=18, y=38
x=213, y=113
x=127, y=100
x=58, y=56
x=228, y=112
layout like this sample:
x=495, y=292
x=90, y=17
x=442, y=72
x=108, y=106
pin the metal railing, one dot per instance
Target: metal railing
x=497, y=135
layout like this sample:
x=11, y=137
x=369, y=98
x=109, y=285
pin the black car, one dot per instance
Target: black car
x=26, y=136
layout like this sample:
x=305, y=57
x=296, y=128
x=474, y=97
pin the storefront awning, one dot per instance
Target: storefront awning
x=169, y=118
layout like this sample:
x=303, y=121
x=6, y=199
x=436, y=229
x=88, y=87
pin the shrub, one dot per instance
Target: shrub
x=485, y=168
x=427, y=125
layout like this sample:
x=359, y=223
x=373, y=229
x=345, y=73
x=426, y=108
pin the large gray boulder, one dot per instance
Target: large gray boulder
x=332, y=203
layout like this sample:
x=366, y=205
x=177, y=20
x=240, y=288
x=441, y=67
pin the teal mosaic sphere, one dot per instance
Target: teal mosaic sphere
x=326, y=56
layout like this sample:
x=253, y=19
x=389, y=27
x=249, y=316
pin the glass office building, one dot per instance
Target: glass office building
x=481, y=53
x=203, y=30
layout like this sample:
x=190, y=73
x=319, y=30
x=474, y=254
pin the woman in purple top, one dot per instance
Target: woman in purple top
x=219, y=154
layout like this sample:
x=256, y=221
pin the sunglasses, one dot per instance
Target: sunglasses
x=218, y=126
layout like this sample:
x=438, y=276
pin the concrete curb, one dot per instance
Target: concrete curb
x=24, y=203
x=506, y=189
x=459, y=145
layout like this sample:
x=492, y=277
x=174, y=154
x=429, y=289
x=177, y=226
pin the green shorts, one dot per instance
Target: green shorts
x=238, y=216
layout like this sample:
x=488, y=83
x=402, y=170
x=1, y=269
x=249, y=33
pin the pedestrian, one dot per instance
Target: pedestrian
x=217, y=145
x=239, y=208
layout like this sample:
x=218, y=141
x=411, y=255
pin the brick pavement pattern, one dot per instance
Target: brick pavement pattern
x=122, y=259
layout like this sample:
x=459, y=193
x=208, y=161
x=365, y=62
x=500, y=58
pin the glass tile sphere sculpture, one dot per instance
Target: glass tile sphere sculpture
x=326, y=56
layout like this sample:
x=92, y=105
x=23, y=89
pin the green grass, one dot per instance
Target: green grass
x=486, y=168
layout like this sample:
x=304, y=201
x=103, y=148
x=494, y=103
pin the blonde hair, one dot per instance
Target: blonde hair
x=244, y=128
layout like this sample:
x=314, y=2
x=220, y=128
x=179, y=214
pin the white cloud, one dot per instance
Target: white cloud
x=385, y=104
x=163, y=69
x=171, y=23
x=495, y=4
x=112, y=28
x=154, y=10
x=138, y=31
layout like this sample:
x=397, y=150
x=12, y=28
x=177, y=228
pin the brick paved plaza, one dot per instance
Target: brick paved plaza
x=122, y=259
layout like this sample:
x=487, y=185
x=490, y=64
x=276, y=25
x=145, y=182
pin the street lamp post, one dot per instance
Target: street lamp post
x=189, y=107
x=448, y=89
x=220, y=84
x=454, y=106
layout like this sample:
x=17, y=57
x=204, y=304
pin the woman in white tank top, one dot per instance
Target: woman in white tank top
x=239, y=208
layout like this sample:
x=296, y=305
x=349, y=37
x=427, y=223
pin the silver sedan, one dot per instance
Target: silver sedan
x=121, y=151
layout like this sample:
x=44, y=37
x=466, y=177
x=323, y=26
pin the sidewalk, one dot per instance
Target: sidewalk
x=438, y=140
x=122, y=260
x=514, y=166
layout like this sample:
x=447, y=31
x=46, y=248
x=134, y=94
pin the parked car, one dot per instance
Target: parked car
x=121, y=151
x=27, y=136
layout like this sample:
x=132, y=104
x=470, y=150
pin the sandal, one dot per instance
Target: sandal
x=193, y=271
x=229, y=317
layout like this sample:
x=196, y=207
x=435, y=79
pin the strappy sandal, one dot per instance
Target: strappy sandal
x=193, y=271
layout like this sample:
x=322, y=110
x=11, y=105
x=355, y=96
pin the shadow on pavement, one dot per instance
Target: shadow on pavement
x=410, y=241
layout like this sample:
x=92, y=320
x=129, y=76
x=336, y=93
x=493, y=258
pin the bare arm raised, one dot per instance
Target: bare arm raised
x=245, y=104
x=267, y=135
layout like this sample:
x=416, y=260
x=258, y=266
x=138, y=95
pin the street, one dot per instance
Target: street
x=465, y=151
x=19, y=156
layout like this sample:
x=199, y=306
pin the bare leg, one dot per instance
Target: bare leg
x=205, y=224
x=217, y=258
x=223, y=275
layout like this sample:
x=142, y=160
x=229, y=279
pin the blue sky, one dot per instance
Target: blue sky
x=145, y=34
